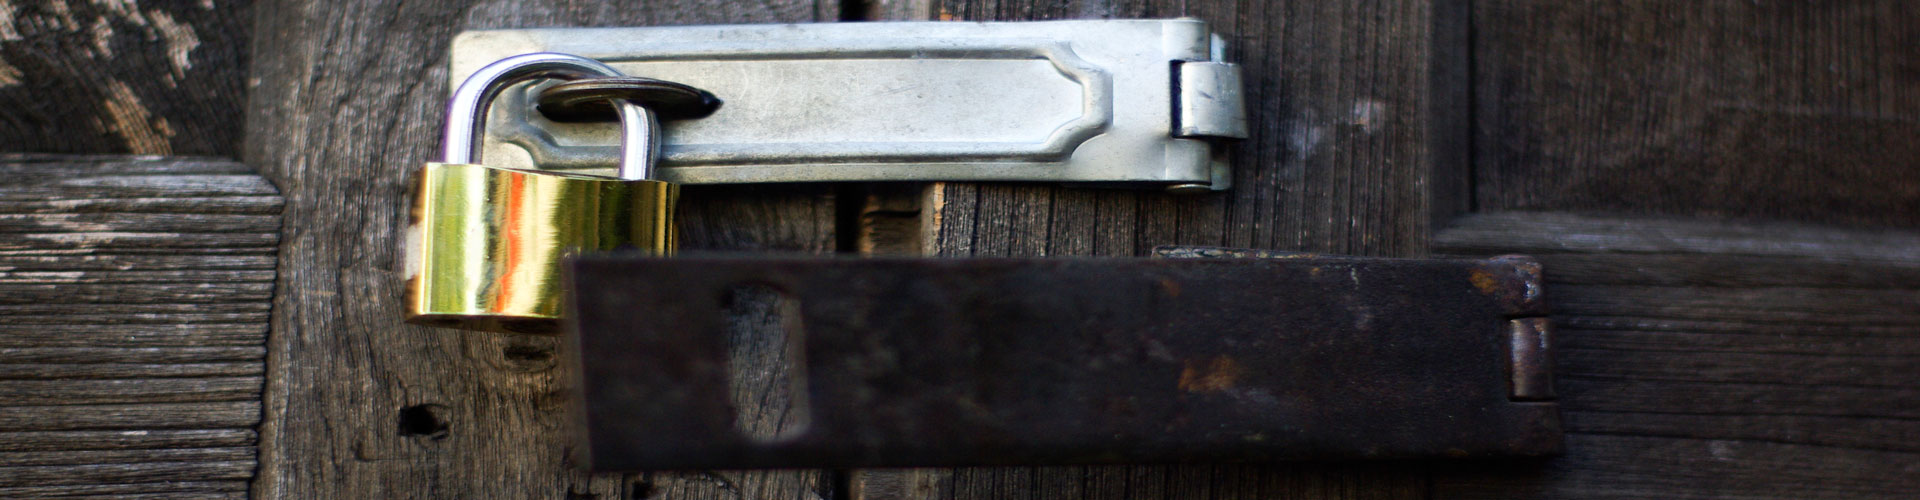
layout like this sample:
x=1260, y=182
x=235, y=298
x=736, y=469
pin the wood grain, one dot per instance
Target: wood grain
x=361, y=405
x=123, y=370
x=1803, y=111
x=162, y=78
x=169, y=490
x=1341, y=102
x=1705, y=360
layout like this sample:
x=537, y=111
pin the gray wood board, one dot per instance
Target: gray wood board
x=161, y=78
x=1341, y=103
x=360, y=405
x=1801, y=111
x=134, y=297
x=1703, y=360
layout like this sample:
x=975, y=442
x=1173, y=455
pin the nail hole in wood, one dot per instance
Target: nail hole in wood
x=528, y=354
x=423, y=420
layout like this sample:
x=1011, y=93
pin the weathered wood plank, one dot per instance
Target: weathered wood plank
x=36, y=223
x=119, y=391
x=65, y=441
x=361, y=405
x=82, y=355
x=167, y=262
x=117, y=277
x=1701, y=360
x=211, y=204
x=97, y=457
x=107, y=383
x=11, y=371
x=49, y=475
x=226, y=414
x=1731, y=270
x=42, y=317
x=1541, y=233
x=170, y=490
x=138, y=240
x=1783, y=110
x=84, y=335
x=62, y=289
x=190, y=495
x=97, y=177
x=123, y=77
x=143, y=313
x=1624, y=467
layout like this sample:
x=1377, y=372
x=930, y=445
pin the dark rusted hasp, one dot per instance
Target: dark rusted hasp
x=945, y=362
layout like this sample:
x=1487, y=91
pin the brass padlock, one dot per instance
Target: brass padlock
x=484, y=244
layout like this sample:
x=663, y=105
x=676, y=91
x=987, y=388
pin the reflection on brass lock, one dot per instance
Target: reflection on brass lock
x=484, y=244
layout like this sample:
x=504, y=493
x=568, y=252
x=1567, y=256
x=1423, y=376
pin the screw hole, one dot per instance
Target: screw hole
x=423, y=420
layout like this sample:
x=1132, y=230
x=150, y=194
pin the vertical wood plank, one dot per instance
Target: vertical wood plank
x=1803, y=111
x=347, y=104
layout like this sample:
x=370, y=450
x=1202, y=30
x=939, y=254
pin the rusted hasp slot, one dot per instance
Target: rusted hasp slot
x=944, y=362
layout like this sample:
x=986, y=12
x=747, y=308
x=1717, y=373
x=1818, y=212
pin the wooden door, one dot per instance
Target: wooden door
x=1725, y=195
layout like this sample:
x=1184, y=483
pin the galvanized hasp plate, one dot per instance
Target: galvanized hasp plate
x=930, y=362
x=1127, y=101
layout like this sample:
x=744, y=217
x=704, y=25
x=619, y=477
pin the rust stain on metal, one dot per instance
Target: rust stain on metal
x=1484, y=281
x=1515, y=279
x=1527, y=275
x=1215, y=375
x=1170, y=287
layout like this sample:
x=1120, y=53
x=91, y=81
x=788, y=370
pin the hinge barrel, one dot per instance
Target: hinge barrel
x=1207, y=96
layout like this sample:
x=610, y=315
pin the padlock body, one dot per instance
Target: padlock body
x=484, y=244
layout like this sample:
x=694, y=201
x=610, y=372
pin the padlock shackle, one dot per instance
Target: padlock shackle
x=639, y=140
x=467, y=111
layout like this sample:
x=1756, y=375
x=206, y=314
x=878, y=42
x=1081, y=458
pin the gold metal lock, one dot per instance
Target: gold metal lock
x=484, y=244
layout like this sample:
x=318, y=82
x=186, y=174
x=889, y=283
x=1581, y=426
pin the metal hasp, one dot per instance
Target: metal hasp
x=950, y=362
x=1136, y=102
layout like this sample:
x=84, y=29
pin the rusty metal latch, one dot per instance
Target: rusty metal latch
x=1137, y=102
x=952, y=362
